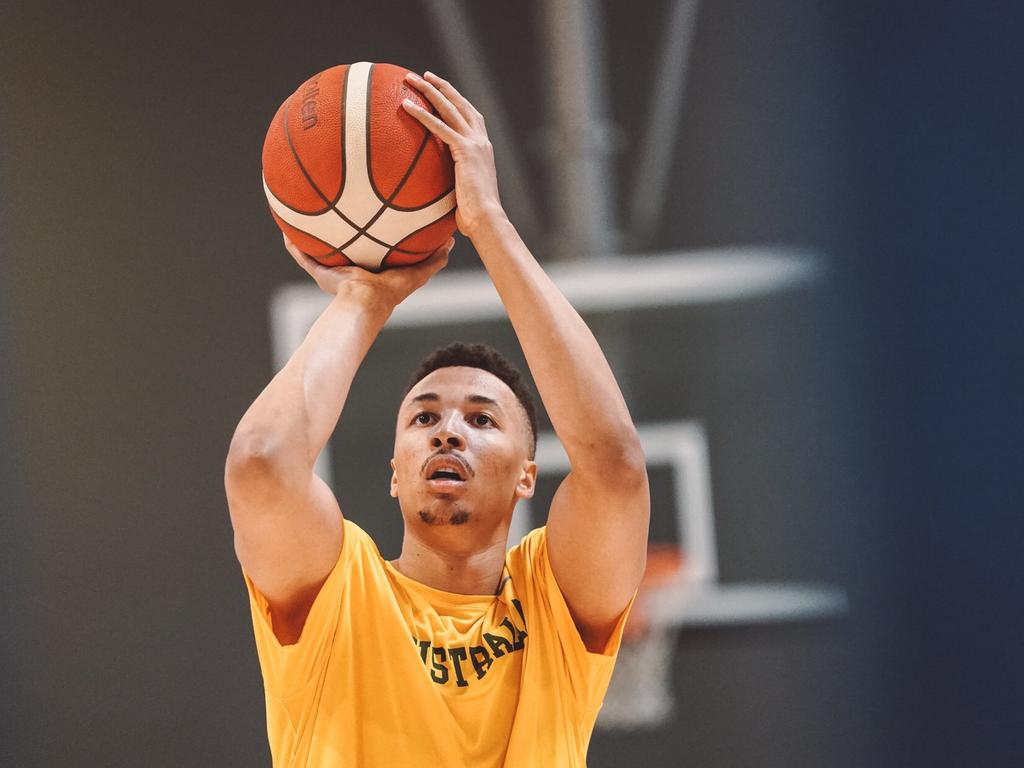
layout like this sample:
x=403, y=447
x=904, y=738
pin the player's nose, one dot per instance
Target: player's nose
x=447, y=436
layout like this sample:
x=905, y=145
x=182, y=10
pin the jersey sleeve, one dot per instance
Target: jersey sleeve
x=287, y=669
x=588, y=672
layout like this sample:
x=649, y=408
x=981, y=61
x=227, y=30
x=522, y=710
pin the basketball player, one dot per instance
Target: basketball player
x=457, y=654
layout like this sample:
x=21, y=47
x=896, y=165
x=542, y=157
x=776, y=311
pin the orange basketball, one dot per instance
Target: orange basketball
x=351, y=178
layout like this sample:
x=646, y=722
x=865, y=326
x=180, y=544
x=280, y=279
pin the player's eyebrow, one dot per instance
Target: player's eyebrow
x=482, y=400
x=431, y=396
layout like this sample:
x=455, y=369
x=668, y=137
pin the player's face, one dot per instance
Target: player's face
x=461, y=449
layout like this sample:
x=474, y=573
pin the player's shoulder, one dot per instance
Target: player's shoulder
x=358, y=547
x=525, y=554
x=531, y=541
x=358, y=534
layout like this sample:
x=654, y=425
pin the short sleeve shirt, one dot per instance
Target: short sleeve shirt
x=390, y=672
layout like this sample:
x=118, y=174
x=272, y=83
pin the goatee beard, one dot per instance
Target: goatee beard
x=457, y=516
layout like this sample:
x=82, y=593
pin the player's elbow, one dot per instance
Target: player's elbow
x=631, y=462
x=625, y=449
x=253, y=459
x=248, y=451
x=620, y=461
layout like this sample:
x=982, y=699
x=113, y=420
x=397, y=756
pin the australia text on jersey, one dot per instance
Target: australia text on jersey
x=462, y=663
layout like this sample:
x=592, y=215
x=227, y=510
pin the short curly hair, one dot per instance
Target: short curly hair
x=487, y=358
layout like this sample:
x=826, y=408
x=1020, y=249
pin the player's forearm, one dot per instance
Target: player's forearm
x=294, y=416
x=572, y=375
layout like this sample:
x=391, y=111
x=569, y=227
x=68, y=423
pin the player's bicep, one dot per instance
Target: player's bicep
x=287, y=538
x=597, y=545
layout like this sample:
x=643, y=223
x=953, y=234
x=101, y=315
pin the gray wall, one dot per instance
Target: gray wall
x=139, y=258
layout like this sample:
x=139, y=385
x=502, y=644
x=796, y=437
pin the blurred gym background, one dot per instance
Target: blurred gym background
x=862, y=427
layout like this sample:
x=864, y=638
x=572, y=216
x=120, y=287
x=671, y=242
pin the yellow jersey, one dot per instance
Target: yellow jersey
x=390, y=672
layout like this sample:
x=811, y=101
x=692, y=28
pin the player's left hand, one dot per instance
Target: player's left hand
x=390, y=286
x=459, y=125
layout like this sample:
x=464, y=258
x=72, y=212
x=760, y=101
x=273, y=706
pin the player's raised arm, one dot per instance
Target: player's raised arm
x=597, y=525
x=287, y=523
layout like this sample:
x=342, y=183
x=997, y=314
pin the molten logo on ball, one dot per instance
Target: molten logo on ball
x=309, y=105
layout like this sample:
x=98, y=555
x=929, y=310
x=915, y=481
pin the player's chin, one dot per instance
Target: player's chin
x=446, y=514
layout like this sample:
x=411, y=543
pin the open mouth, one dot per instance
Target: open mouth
x=445, y=474
x=446, y=468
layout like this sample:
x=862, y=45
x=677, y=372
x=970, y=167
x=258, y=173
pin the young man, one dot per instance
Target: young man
x=458, y=653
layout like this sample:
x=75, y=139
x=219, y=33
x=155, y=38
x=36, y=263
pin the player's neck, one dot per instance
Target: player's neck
x=430, y=560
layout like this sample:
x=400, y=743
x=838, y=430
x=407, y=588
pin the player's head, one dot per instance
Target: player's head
x=465, y=438
x=486, y=358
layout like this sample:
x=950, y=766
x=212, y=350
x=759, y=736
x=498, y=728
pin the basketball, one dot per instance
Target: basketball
x=351, y=178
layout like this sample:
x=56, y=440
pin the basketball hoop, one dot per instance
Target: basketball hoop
x=640, y=693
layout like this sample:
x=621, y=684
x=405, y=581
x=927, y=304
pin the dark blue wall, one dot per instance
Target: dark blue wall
x=935, y=200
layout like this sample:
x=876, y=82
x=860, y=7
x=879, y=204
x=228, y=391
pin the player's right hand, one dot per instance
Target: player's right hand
x=391, y=286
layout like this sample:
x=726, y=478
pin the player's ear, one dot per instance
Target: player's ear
x=394, y=480
x=527, y=480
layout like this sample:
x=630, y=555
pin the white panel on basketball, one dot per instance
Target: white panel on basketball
x=367, y=253
x=358, y=199
x=327, y=226
x=332, y=229
x=393, y=226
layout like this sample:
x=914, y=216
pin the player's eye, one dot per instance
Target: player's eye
x=482, y=420
x=424, y=417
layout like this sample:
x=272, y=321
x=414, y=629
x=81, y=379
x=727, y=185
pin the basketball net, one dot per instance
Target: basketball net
x=640, y=692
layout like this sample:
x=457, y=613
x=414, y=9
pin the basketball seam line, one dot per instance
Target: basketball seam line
x=380, y=242
x=392, y=248
x=331, y=206
x=387, y=204
x=291, y=148
x=396, y=249
x=341, y=134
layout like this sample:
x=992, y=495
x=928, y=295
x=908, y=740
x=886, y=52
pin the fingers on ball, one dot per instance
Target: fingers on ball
x=442, y=95
x=449, y=91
